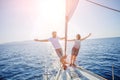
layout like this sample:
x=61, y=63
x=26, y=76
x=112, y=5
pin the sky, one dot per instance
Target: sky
x=22, y=20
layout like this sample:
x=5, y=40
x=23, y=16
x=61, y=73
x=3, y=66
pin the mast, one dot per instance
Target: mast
x=66, y=31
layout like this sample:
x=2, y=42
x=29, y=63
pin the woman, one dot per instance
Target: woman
x=76, y=47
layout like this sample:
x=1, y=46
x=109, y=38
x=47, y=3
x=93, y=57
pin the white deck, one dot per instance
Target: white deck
x=78, y=73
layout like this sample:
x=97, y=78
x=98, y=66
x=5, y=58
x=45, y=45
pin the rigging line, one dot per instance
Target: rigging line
x=103, y=6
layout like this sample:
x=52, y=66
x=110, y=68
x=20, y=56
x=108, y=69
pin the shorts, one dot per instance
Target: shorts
x=75, y=51
x=59, y=52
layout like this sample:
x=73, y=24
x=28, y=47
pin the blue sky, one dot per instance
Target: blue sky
x=28, y=19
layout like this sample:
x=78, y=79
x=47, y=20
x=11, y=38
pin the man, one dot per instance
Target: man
x=55, y=42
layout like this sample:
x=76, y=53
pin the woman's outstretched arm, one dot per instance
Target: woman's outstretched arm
x=85, y=37
x=71, y=40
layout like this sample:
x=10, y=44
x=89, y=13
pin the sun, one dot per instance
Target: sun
x=53, y=10
x=51, y=17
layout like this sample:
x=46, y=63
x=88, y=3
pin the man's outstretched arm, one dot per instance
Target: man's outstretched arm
x=62, y=38
x=45, y=40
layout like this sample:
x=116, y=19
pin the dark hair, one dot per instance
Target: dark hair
x=78, y=36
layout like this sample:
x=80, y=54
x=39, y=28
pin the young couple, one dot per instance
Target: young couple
x=75, y=50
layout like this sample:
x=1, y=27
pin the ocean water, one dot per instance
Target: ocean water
x=29, y=60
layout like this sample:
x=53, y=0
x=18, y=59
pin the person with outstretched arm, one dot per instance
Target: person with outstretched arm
x=55, y=42
x=76, y=47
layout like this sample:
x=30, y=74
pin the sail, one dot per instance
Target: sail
x=70, y=8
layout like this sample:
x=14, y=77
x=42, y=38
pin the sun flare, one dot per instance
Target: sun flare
x=51, y=17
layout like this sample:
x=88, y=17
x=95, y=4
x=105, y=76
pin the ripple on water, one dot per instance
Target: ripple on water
x=29, y=60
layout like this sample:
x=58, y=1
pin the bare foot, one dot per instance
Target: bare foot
x=64, y=67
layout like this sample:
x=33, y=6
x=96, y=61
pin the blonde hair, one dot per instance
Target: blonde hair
x=54, y=32
x=78, y=36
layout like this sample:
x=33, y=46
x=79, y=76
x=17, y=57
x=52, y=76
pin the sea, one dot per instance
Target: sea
x=30, y=60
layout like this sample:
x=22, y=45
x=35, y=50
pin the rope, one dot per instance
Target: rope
x=112, y=72
x=103, y=6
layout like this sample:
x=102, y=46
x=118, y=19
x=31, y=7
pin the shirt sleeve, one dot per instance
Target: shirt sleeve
x=49, y=39
x=58, y=37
